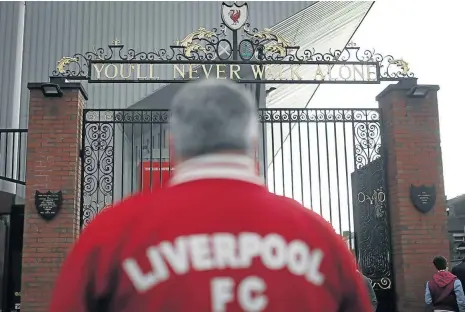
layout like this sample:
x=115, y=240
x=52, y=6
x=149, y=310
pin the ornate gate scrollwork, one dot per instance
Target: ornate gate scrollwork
x=98, y=165
x=247, y=46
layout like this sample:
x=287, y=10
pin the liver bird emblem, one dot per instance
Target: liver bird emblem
x=235, y=15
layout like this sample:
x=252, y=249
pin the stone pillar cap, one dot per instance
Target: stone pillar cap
x=62, y=83
x=406, y=85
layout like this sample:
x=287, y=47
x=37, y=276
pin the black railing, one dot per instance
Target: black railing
x=305, y=154
x=330, y=160
x=13, y=144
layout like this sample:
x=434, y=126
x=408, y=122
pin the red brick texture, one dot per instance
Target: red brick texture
x=411, y=129
x=53, y=164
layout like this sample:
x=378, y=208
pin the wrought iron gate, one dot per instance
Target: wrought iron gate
x=330, y=160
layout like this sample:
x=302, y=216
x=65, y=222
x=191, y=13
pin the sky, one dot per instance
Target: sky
x=427, y=35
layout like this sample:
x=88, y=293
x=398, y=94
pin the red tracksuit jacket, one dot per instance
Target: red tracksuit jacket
x=216, y=240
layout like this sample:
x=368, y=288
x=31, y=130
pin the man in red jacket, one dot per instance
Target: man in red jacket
x=215, y=239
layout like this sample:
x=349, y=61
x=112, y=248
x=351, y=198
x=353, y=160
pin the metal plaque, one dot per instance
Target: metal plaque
x=423, y=197
x=48, y=204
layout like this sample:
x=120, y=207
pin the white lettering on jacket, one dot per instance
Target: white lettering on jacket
x=203, y=252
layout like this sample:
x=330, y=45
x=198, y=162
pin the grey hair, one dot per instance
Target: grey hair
x=210, y=116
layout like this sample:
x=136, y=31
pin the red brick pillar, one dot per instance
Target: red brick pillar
x=53, y=164
x=413, y=151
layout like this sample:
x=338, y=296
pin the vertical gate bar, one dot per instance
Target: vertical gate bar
x=132, y=152
x=282, y=151
x=13, y=134
x=264, y=143
x=291, y=155
x=113, y=161
x=83, y=157
x=166, y=146
x=151, y=141
x=366, y=140
x=337, y=177
x=318, y=161
x=1, y=145
x=122, y=154
x=169, y=147
x=299, y=128
x=272, y=153
x=328, y=168
x=5, y=170
x=98, y=152
x=18, y=175
x=141, y=164
x=355, y=168
x=309, y=162
x=160, y=168
x=344, y=135
x=367, y=137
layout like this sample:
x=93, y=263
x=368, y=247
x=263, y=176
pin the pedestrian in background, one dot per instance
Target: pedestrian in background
x=215, y=239
x=444, y=291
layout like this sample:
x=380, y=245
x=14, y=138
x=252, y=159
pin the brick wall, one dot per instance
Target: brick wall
x=53, y=164
x=411, y=128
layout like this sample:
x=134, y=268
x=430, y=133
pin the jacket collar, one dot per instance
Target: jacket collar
x=217, y=166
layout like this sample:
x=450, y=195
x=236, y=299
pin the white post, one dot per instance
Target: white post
x=12, y=147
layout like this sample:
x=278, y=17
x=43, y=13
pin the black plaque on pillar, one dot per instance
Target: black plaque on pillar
x=48, y=204
x=423, y=197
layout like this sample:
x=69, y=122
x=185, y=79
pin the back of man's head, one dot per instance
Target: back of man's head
x=440, y=262
x=212, y=116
